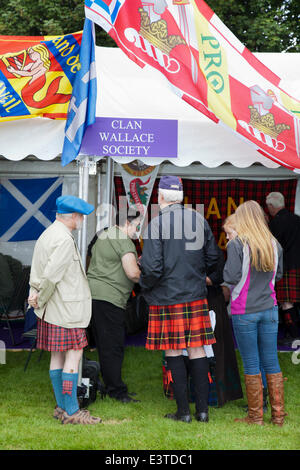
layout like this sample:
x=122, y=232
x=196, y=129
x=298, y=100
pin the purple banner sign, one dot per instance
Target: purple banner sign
x=122, y=137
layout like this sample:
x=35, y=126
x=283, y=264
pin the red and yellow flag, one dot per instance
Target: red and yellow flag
x=37, y=75
x=208, y=67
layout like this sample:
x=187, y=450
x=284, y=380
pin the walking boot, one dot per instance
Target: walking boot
x=276, y=396
x=265, y=401
x=254, y=392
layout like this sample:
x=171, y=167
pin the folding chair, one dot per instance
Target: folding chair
x=33, y=335
x=18, y=300
x=30, y=332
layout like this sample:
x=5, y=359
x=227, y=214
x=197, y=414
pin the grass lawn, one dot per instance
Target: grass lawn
x=27, y=403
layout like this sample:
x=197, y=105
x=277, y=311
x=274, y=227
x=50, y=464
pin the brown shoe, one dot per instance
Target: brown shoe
x=254, y=391
x=276, y=394
x=58, y=412
x=80, y=417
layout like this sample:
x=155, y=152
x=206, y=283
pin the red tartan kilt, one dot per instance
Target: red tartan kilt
x=288, y=288
x=179, y=326
x=56, y=338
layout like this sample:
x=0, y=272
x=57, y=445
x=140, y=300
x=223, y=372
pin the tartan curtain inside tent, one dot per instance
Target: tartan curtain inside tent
x=221, y=197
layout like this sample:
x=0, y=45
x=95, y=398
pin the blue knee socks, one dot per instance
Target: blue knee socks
x=69, y=391
x=56, y=379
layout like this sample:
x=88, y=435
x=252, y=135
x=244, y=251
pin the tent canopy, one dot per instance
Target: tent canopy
x=127, y=91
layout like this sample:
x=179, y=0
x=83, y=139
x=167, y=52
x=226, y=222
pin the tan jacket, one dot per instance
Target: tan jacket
x=57, y=274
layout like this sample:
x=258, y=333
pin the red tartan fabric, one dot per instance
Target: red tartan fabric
x=56, y=338
x=288, y=288
x=221, y=197
x=179, y=326
x=67, y=387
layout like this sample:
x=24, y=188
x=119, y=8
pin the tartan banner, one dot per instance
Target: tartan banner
x=221, y=197
x=208, y=67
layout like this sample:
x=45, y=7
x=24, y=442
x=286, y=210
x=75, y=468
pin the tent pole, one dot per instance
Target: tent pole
x=98, y=199
x=85, y=195
x=80, y=182
x=109, y=187
x=82, y=235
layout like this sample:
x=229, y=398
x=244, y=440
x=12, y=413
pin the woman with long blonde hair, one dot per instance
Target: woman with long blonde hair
x=254, y=264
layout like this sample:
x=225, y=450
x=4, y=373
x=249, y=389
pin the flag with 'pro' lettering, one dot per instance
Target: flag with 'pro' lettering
x=37, y=75
x=208, y=67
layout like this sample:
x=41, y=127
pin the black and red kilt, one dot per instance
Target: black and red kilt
x=180, y=326
x=56, y=338
x=288, y=288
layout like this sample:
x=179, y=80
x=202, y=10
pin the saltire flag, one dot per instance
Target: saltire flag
x=37, y=75
x=208, y=67
x=82, y=107
x=27, y=207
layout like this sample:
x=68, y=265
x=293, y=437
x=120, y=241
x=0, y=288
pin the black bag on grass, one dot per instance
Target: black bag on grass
x=87, y=394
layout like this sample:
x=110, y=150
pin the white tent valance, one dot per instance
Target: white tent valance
x=125, y=90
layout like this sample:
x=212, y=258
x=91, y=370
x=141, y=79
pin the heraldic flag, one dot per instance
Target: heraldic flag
x=82, y=107
x=208, y=67
x=27, y=207
x=37, y=75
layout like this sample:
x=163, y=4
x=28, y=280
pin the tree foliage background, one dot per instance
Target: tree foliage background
x=262, y=25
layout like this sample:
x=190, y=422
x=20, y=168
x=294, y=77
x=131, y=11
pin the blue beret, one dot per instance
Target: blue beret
x=70, y=204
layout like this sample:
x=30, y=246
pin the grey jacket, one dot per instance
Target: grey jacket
x=251, y=291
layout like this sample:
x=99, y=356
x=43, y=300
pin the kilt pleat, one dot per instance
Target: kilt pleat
x=288, y=288
x=57, y=338
x=180, y=326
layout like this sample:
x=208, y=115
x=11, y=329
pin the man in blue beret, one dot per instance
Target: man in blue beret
x=61, y=298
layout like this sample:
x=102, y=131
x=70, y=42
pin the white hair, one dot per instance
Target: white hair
x=276, y=199
x=63, y=216
x=170, y=195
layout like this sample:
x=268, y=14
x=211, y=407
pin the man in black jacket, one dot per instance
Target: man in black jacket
x=179, y=248
x=285, y=226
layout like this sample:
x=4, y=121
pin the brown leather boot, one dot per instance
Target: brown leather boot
x=276, y=394
x=254, y=391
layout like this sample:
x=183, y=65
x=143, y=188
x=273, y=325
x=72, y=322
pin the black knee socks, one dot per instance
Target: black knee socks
x=178, y=370
x=199, y=369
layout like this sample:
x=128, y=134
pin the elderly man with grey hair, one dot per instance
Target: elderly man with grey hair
x=285, y=226
x=178, y=250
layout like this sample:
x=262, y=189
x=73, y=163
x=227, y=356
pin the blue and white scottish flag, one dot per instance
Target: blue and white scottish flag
x=82, y=107
x=100, y=11
x=27, y=207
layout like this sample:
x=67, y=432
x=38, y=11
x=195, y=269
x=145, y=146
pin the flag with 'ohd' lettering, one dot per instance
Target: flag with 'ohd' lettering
x=37, y=75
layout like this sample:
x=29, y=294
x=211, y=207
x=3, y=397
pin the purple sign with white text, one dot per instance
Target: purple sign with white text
x=123, y=137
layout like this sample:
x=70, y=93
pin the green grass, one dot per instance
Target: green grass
x=27, y=403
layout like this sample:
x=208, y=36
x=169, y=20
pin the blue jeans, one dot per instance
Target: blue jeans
x=256, y=337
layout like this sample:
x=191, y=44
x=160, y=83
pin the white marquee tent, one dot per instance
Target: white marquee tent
x=31, y=147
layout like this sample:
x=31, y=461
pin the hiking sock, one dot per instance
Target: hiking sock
x=199, y=369
x=56, y=379
x=176, y=365
x=69, y=390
